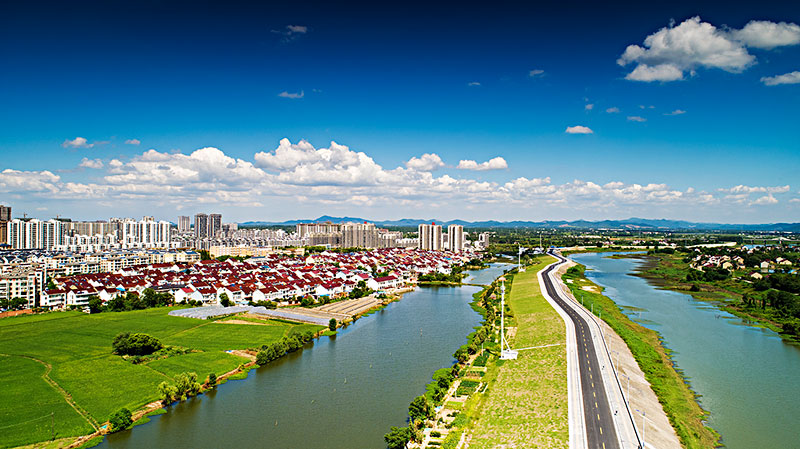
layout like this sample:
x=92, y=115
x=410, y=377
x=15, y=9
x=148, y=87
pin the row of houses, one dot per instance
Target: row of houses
x=281, y=278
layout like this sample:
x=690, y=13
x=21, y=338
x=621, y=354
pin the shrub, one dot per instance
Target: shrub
x=121, y=420
x=135, y=344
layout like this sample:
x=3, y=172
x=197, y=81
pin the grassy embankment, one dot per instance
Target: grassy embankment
x=59, y=379
x=525, y=401
x=678, y=400
x=669, y=271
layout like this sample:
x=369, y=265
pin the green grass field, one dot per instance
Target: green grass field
x=25, y=397
x=526, y=404
x=78, y=348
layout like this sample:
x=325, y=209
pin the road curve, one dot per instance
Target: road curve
x=598, y=418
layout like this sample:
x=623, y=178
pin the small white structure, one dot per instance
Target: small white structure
x=506, y=353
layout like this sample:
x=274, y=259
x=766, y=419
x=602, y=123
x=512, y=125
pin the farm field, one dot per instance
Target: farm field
x=526, y=404
x=46, y=361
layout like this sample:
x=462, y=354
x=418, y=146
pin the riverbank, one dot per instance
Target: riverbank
x=61, y=362
x=668, y=272
x=674, y=394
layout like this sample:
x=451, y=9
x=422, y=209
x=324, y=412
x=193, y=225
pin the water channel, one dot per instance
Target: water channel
x=748, y=378
x=341, y=392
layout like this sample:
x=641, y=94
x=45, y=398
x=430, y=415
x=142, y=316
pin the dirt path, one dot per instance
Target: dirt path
x=67, y=397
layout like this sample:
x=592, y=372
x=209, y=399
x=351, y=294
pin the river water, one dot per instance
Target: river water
x=341, y=392
x=748, y=378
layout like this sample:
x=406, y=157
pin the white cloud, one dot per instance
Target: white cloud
x=671, y=51
x=612, y=110
x=296, y=176
x=301, y=29
x=768, y=35
x=660, y=72
x=535, y=73
x=743, y=189
x=426, y=162
x=786, y=78
x=636, y=118
x=133, y=142
x=767, y=199
x=578, y=129
x=588, y=107
x=474, y=83
x=676, y=112
x=293, y=95
x=91, y=163
x=78, y=142
x=497, y=163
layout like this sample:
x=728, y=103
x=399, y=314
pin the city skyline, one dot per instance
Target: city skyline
x=524, y=112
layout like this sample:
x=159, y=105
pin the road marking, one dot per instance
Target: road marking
x=595, y=404
x=593, y=394
x=601, y=431
x=598, y=417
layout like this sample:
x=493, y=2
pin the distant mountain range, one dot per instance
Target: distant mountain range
x=630, y=223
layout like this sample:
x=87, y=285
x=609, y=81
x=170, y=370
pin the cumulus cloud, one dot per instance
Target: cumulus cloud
x=496, y=163
x=636, y=118
x=91, y=163
x=78, y=142
x=426, y=162
x=588, y=107
x=336, y=175
x=536, y=73
x=613, y=110
x=669, y=53
x=293, y=95
x=768, y=35
x=787, y=78
x=301, y=29
x=578, y=129
x=133, y=142
x=676, y=112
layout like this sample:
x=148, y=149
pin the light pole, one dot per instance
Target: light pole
x=644, y=426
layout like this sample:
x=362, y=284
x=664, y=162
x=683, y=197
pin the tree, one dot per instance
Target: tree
x=166, y=392
x=397, y=438
x=224, y=301
x=121, y=420
x=95, y=304
x=332, y=324
x=419, y=410
x=212, y=380
x=135, y=344
x=204, y=255
x=116, y=304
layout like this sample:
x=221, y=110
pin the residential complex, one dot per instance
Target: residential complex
x=430, y=237
x=283, y=278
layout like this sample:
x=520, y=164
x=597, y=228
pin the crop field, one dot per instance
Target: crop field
x=48, y=360
x=526, y=404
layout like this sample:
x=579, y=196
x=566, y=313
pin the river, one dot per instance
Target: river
x=748, y=378
x=339, y=392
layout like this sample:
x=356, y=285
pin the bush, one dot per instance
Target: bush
x=135, y=344
x=332, y=324
x=120, y=420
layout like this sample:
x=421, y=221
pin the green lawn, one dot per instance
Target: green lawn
x=28, y=402
x=526, y=404
x=78, y=346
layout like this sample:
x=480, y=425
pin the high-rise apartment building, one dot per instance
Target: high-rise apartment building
x=214, y=225
x=430, y=237
x=5, y=213
x=146, y=233
x=3, y=232
x=35, y=234
x=455, y=238
x=327, y=227
x=184, y=223
x=201, y=226
x=361, y=235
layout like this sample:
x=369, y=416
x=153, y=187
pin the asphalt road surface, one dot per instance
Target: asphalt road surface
x=598, y=417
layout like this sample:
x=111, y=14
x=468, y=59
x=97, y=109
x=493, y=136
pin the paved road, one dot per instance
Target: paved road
x=600, y=430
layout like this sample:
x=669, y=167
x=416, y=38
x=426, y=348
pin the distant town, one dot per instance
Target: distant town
x=60, y=263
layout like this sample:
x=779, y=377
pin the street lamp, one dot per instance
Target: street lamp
x=644, y=426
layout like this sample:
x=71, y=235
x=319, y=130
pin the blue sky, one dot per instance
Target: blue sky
x=698, y=121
